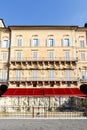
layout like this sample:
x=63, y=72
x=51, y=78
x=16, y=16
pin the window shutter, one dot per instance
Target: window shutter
x=53, y=42
x=38, y=42
x=30, y=42
x=62, y=42
x=46, y=41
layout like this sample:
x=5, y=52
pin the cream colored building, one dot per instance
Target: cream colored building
x=39, y=58
x=43, y=56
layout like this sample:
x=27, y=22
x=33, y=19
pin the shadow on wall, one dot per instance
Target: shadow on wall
x=3, y=89
x=83, y=88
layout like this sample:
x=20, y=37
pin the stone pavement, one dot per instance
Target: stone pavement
x=43, y=124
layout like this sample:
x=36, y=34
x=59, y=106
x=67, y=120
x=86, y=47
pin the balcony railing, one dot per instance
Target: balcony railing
x=26, y=79
x=27, y=59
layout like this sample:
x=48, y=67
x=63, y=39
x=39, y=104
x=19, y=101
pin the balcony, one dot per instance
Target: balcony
x=42, y=59
x=45, y=79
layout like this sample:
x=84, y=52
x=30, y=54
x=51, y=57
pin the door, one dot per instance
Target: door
x=67, y=55
x=18, y=55
x=34, y=74
x=4, y=75
x=18, y=75
x=51, y=75
x=34, y=55
x=67, y=75
x=83, y=75
x=51, y=55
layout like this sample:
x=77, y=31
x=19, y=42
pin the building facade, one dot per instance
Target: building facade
x=43, y=56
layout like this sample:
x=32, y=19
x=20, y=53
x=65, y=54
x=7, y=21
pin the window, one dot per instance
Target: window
x=66, y=42
x=18, y=56
x=67, y=55
x=84, y=75
x=18, y=75
x=5, y=44
x=51, y=55
x=50, y=42
x=34, y=42
x=4, y=75
x=51, y=75
x=82, y=55
x=34, y=55
x=4, y=56
x=19, y=42
x=68, y=75
x=34, y=74
x=82, y=43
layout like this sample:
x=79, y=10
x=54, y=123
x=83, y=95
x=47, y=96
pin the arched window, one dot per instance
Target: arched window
x=35, y=41
x=66, y=41
x=5, y=42
x=81, y=42
x=19, y=40
x=50, y=41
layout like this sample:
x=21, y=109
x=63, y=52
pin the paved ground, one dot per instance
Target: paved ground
x=44, y=124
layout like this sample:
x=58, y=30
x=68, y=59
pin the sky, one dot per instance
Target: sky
x=43, y=12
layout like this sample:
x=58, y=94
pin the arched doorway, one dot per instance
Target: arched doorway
x=83, y=88
x=3, y=89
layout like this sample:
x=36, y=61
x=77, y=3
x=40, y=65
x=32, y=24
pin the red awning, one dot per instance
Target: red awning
x=38, y=92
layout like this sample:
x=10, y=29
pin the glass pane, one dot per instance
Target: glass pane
x=67, y=75
x=51, y=74
x=66, y=42
x=5, y=44
x=51, y=55
x=34, y=74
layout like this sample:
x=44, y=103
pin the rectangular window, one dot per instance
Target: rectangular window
x=34, y=42
x=18, y=55
x=82, y=43
x=4, y=56
x=5, y=44
x=19, y=42
x=50, y=42
x=34, y=55
x=66, y=42
x=51, y=55
x=68, y=75
x=84, y=75
x=34, y=74
x=67, y=55
x=82, y=56
x=4, y=75
x=51, y=75
x=18, y=75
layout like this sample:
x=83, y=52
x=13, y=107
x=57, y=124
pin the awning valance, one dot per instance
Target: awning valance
x=39, y=92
